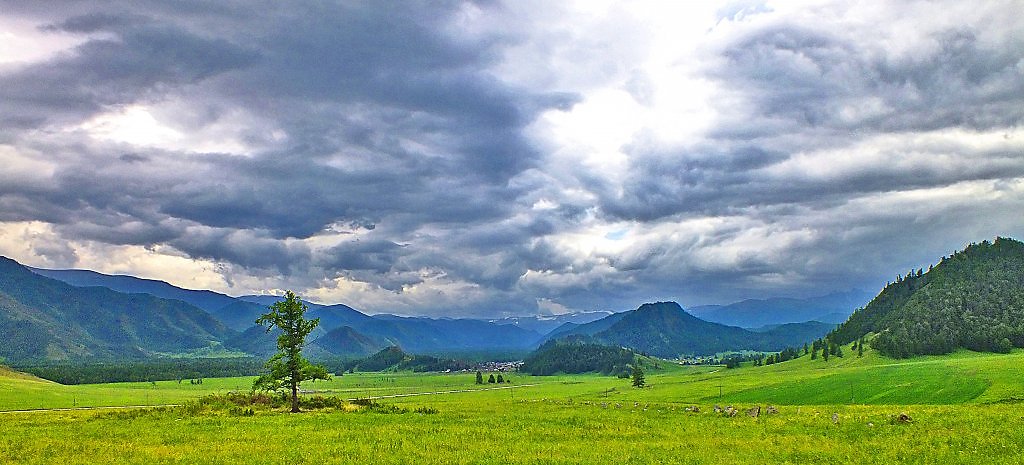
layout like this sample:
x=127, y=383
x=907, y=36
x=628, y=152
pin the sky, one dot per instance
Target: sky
x=509, y=158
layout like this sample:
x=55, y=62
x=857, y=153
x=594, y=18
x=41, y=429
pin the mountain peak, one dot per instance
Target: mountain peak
x=660, y=307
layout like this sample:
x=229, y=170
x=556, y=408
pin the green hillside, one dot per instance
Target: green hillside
x=46, y=319
x=973, y=299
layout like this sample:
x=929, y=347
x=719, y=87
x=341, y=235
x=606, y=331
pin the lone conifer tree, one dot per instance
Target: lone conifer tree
x=288, y=368
x=638, y=376
x=479, y=378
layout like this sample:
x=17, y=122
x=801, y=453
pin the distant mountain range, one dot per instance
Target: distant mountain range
x=664, y=329
x=833, y=308
x=972, y=299
x=182, y=321
x=79, y=314
x=544, y=324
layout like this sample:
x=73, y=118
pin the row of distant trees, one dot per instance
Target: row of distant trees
x=825, y=347
x=491, y=379
x=145, y=370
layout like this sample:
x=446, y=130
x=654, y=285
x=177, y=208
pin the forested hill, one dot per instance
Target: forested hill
x=577, y=356
x=973, y=299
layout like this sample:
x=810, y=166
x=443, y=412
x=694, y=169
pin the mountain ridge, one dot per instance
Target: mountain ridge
x=47, y=319
x=834, y=308
x=421, y=334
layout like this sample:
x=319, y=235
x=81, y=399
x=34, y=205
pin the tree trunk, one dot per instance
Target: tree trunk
x=295, y=397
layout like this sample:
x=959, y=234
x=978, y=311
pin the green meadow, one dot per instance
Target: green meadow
x=962, y=408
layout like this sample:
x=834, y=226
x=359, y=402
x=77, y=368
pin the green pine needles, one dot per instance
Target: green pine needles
x=287, y=369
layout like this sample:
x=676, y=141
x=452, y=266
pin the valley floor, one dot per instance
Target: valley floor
x=964, y=408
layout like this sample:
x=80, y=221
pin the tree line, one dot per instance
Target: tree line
x=144, y=370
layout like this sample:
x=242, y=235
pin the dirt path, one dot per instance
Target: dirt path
x=70, y=409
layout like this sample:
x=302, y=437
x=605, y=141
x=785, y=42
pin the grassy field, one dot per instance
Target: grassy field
x=965, y=408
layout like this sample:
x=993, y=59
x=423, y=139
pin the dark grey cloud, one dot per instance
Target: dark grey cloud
x=101, y=72
x=399, y=147
x=375, y=255
x=245, y=248
x=807, y=78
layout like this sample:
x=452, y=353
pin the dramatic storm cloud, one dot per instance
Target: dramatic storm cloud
x=490, y=158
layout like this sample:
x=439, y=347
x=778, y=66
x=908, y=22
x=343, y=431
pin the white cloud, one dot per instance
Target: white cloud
x=159, y=126
x=22, y=42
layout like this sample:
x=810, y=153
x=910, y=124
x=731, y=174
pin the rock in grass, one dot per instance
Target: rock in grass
x=902, y=418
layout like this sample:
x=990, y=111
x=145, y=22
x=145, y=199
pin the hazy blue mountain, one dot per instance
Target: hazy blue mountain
x=46, y=319
x=664, y=329
x=206, y=300
x=427, y=335
x=334, y=316
x=345, y=341
x=585, y=329
x=268, y=300
x=239, y=315
x=810, y=326
x=795, y=334
x=832, y=308
x=415, y=334
x=544, y=324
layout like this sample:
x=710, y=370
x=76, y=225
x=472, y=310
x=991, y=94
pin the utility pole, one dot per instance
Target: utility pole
x=719, y=392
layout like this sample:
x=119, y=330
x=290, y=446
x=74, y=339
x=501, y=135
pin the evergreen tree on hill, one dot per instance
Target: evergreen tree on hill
x=638, y=376
x=973, y=299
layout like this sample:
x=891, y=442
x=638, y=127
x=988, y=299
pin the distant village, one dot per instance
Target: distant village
x=507, y=367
